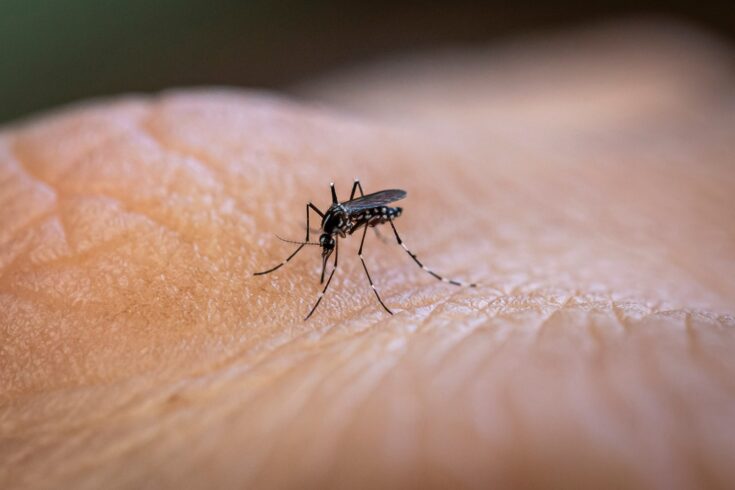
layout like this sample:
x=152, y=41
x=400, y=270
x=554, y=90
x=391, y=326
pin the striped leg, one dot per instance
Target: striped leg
x=321, y=295
x=359, y=253
x=415, y=259
x=308, y=206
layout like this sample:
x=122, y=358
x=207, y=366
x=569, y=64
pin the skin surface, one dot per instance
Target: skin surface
x=586, y=183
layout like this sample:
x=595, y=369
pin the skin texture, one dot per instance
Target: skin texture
x=585, y=182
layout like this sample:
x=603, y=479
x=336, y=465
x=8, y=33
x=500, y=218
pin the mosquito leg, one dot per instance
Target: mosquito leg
x=359, y=253
x=355, y=187
x=321, y=295
x=415, y=259
x=309, y=229
x=334, y=193
x=308, y=207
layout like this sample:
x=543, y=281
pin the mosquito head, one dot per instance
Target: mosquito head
x=326, y=241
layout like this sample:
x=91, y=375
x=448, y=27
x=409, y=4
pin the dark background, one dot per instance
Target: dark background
x=55, y=51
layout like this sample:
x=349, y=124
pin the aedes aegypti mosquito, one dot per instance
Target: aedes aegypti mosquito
x=345, y=218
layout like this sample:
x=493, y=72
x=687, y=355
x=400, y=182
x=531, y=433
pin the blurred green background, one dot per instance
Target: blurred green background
x=52, y=52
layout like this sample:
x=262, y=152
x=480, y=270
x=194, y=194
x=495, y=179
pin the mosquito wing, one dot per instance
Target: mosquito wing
x=374, y=200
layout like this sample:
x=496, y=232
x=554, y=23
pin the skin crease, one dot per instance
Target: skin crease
x=596, y=211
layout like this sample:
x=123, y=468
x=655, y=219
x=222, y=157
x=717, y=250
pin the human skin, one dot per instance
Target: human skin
x=139, y=351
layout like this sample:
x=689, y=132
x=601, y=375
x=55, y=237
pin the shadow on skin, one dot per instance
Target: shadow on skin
x=597, y=352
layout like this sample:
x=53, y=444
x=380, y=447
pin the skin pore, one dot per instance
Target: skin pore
x=587, y=190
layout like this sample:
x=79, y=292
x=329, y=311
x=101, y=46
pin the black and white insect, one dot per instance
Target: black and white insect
x=345, y=218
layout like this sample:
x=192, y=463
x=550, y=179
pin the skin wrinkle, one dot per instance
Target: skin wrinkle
x=142, y=210
x=712, y=364
x=148, y=127
x=356, y=417
x=133, y=414
x=351, y=419
x=48, y=191
x=306, y=393
x=533, y=431
x=596, y=353
x=218, y=170
x=36, y=296
x=51, y=185
x=656, y=382
x=36, y=222
x=26, y=169
x=101, y=248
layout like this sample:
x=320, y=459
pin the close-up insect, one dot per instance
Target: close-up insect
x=345, y=218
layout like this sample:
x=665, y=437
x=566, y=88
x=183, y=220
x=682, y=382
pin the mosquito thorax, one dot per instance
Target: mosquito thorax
x=334, y=219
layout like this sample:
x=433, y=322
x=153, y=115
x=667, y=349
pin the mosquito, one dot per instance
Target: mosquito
x=345, y=218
